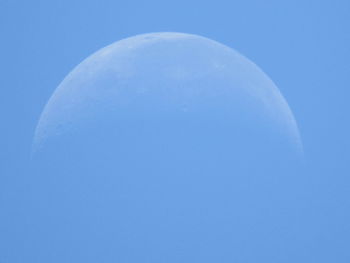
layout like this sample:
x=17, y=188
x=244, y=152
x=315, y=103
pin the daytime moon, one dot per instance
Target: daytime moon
x=160, y=77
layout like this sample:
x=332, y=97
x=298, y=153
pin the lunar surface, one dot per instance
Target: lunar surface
x=161, y=87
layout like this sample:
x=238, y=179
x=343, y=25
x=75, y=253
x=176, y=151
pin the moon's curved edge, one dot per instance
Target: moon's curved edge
x=39, y=134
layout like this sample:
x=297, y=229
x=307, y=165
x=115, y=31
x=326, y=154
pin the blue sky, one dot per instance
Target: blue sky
x=302, y=45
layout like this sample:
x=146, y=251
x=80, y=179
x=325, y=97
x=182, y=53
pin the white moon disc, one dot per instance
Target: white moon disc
x=171, y=78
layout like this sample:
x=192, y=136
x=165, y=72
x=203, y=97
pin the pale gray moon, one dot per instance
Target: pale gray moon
x=165, y=74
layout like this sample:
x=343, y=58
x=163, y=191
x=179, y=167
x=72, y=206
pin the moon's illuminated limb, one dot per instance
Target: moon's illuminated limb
x=163, y=72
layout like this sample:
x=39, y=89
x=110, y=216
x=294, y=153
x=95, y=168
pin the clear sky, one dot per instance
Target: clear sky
x=302, y=45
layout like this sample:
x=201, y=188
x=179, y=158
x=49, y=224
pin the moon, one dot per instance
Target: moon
x=168, y=83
